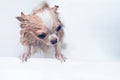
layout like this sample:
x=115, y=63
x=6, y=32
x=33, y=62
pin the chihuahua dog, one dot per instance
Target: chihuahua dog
x=41, y=29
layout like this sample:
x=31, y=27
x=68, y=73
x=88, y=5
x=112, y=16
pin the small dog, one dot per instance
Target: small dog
x=41, y=29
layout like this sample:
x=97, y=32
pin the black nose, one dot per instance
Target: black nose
x=54, y=41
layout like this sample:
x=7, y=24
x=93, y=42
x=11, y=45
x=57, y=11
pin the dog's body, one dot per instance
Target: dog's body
x=41, y=30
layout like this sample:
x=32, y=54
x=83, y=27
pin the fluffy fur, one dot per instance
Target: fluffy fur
x=42, y=29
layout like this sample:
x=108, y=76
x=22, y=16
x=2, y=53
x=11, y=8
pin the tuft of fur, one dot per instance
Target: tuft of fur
x=40, y=7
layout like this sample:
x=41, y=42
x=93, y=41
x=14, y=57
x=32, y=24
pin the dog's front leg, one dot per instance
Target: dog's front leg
x=58, y=54
x=27, y=53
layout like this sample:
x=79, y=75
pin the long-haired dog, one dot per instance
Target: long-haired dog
x=41, y=29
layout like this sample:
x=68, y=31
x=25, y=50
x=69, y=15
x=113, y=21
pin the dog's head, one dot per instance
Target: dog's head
x=44, y=24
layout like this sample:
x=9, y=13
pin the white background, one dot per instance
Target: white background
x=92, y=27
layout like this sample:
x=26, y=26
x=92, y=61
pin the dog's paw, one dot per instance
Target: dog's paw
x=60, y=57
x=24, y=57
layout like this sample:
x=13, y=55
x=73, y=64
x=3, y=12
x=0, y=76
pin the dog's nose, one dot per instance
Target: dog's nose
x=54, y=41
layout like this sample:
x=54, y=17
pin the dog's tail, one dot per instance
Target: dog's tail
x=40, y=7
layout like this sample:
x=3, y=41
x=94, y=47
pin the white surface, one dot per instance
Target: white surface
x=51, y=69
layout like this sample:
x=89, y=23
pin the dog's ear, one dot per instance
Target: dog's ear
x=21, y=18
x=22, y=14
x=55, y=8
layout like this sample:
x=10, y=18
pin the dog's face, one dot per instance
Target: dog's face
x=44, y=25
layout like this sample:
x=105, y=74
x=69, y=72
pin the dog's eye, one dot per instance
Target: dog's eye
x=58, y=28
x=42, y=36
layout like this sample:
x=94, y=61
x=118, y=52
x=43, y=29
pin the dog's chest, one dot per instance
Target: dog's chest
x=46, y=18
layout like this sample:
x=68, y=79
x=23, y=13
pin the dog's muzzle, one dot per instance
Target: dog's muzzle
x=54, y=41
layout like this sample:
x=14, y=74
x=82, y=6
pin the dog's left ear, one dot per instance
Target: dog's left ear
x=56, y=6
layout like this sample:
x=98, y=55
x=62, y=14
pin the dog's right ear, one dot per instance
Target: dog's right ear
x=22, y=14
x=21, y=18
